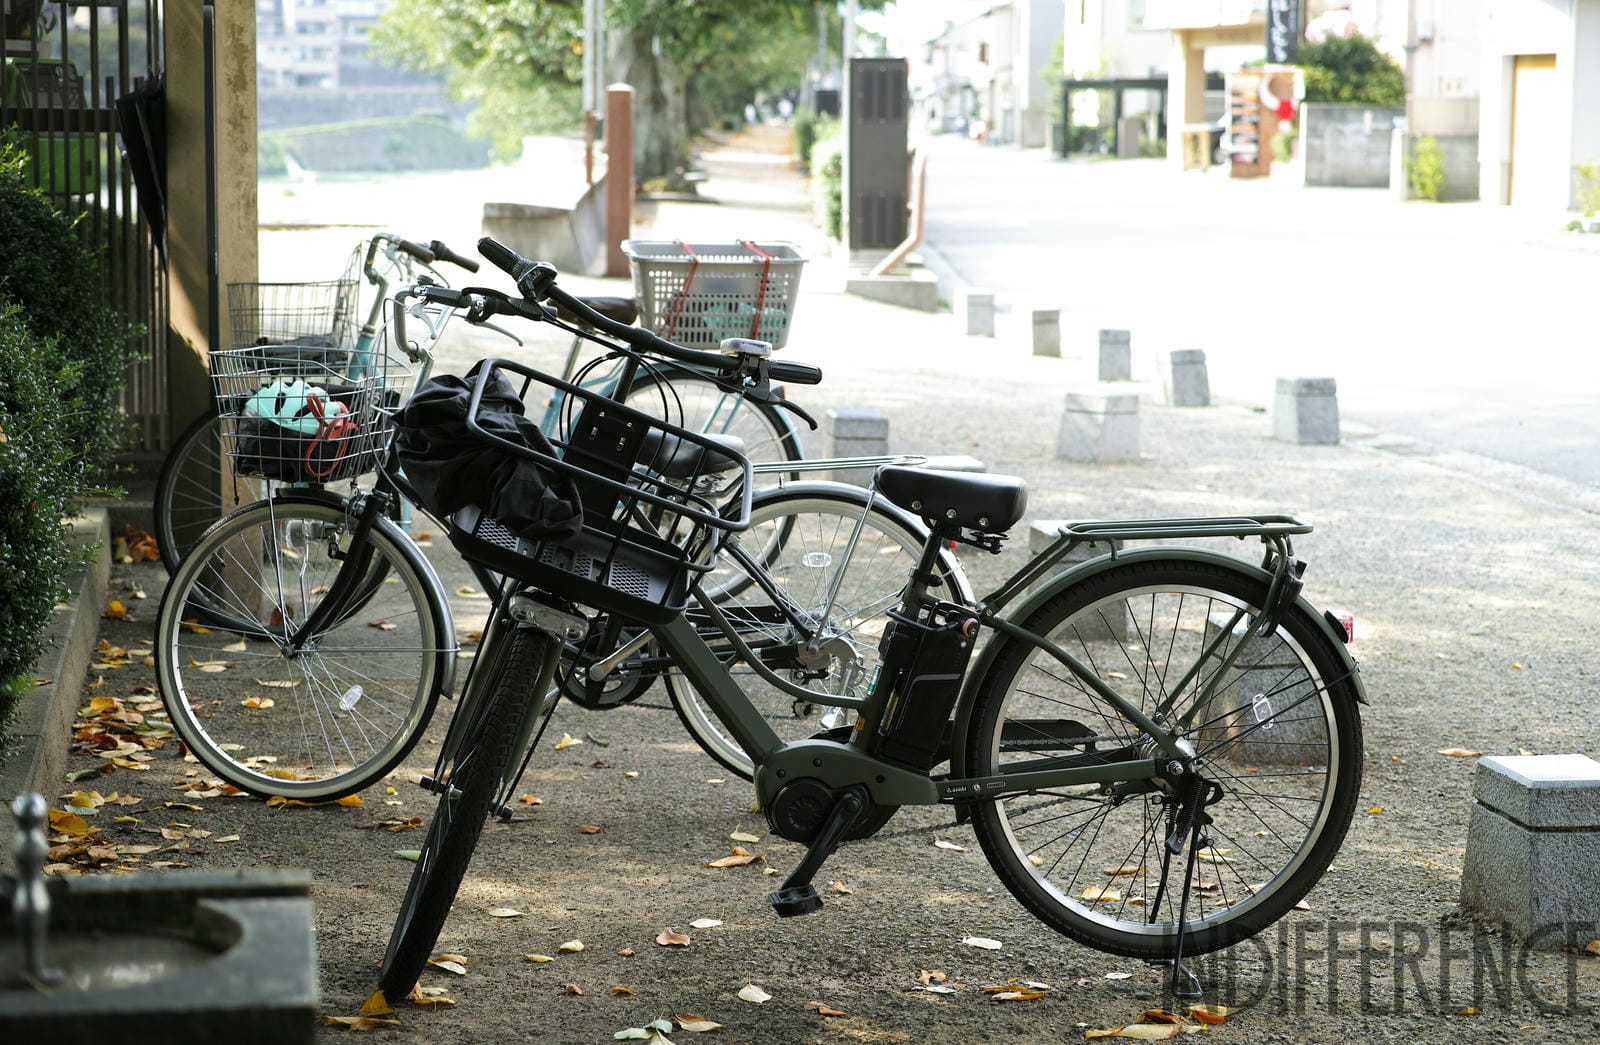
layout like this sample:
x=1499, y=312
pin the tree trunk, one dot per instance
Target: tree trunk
x=660, y=122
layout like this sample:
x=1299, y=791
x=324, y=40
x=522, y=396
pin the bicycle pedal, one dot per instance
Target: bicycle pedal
x=797, y=900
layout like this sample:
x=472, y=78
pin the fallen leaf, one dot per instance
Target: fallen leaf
x=232, y=647
x=448, y=966
x=590, y=829
x=504, y=912
x=567, y=740
x=375, y=1005
x=669, y=938
x=935, y=988
x=631, y=774
x=360, y=1023
x=926, y=976
x=1593, y=946
x=1209, y=1013
x=615, y=989
x=470, y=592
x=571, y=947
x=1125, y=869
x=942, y=844
x=409, y=854
x=1375, y=810
x=1016, y=994
x=115, y=610
x=538, y=959
x=529, y=800
x=753, y=994
x=1119, y=975
x=383, y=625
x=1460, y=752
x=571, y=989
x=744, y=836
x=255, y=703
x=626, y=952
x=695, y=1024
x=841, y=888
x=738, y=858
x=983, y=942
x=278, y=683
x=1100, y=894
x=1514, y=665
x=705, y=923
x=823, y=1010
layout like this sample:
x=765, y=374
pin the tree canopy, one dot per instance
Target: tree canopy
x=689, y=61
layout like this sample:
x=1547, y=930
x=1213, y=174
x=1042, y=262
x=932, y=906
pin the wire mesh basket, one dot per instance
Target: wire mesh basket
x=697, y=294
x=295, y=414
x=311, y=324
x=651, y=494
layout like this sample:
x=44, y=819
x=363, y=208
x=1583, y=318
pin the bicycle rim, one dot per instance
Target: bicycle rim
x=332, y=718
x=1272, y=718
x=807, y=561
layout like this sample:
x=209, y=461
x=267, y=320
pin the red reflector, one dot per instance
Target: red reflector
x=1344, y=621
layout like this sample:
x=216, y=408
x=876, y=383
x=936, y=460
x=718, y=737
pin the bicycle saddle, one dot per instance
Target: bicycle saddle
x=666, y=454
x=956, y=500
x=622, y=310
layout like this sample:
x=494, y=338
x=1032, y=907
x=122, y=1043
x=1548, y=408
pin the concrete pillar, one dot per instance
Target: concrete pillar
x=1533, y=841
x=189, y=269
x=1306, y=410
x=619, y=175
x=1099, y=427
x=1116, y=355
x=1047, y=332
x=1184, y=380
x=1186, y=91
x=1108, y=623
x=856, y=433
x=975, y=309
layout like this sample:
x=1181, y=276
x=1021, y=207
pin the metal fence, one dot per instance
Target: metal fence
x=65, y=66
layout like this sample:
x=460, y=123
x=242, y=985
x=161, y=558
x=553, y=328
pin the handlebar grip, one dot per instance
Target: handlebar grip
x=501, y=256
x=444, y=253
x=794, y=373
x=416, y=250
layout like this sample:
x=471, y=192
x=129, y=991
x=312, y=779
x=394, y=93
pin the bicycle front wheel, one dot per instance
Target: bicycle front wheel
x=482, y=768
x=304, y=716
x=801, y=536
x=1273, y=719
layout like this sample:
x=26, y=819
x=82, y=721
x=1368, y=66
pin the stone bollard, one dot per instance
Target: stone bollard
x=1100, y=427
x=1041, y=534
x=1116, y=355
x=1183, y=378
x=856, y=433
x=1306, y=410
x=975, y=307
x=1047, y=332
x=1533, y=842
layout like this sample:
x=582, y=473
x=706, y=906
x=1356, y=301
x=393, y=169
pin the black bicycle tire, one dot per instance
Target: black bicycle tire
x=170, y=622
x=645, y=395
x=172, y=466
x=1229, y=927
x=489, y=753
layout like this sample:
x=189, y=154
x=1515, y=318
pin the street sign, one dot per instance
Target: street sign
x=1283, y=31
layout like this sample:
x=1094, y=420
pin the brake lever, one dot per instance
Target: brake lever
x=501, y=330
x=794, y=408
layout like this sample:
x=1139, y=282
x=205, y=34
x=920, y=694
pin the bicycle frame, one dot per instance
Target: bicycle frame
x=844, y=763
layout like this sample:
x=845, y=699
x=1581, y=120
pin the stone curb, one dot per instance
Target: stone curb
x=42, y=726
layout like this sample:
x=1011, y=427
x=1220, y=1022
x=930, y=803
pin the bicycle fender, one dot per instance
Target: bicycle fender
x=1090, y=568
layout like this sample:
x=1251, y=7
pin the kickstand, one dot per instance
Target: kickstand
x=1183, y=983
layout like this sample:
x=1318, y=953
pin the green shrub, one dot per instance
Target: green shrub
x=47, y=271
x=1351, y=71
x=1283, y=145
x=1425, y=168
x=1588, y=194
x=40, y=473
x=827, y=186
x=805, y=136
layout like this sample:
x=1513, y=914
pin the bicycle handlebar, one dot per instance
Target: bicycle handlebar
x=444, y=253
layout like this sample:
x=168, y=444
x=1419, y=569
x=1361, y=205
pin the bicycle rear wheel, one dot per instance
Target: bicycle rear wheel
x=1277, y=729
x=695, y=402
x=487, y=757
x=801, y=535
x=333, y=715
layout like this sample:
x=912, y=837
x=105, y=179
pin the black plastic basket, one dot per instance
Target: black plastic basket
x=654, y=497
